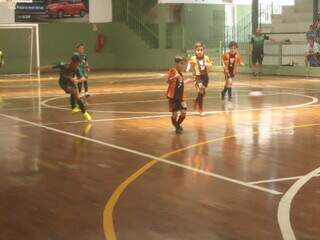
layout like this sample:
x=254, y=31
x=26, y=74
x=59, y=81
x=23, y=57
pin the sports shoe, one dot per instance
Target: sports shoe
x=202, y=114
x=76, y=110
x=179, y=130
x=87, y=117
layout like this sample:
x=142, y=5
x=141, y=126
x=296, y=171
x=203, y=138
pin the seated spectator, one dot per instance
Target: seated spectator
x=312, y=53
x=311, y=33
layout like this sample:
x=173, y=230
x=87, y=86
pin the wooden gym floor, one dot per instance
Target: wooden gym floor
x=247, y=170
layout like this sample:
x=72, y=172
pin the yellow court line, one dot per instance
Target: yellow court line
x=108, y=223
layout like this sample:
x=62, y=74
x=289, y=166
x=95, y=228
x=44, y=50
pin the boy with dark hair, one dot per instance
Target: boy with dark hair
x=176, y=94
x=230, y=59
x=69, y=78
x=200, y=64
x=83, y=68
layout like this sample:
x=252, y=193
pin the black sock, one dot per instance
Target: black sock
x=230, y=92
x=85, y=86
x=224, y=91
x=72, y=101
x=181, y=119
x=174, y=121
x=80, y=87
x=81, y=106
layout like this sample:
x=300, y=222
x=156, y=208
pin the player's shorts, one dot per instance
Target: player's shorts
x=83, y=72
x=257, y=56
x=177, y=105
x=229, y=80
x=202, y=82
x=68, y=87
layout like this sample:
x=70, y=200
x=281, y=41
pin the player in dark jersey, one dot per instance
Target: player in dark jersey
x=230, y=59
x=68, y=80
x=83, y=68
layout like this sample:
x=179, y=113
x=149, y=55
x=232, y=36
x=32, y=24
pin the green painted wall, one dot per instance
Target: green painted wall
x=124, y=48
x=16, y=47
x=132, y=53
x=58, y=42
x=203, y=23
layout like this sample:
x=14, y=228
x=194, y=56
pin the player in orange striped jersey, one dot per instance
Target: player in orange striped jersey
x=231, y=60
x=176, y=94
x=200, y=65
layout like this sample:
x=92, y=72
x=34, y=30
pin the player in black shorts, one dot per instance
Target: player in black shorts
x=257, y=51
x=69, y=78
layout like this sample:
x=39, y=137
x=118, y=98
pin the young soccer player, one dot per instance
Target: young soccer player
x=230, y=59
x=200, y=64
x=84, y=68
x=176, y=94
x=69, y=78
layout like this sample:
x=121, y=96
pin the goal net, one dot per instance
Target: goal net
x=19, y=44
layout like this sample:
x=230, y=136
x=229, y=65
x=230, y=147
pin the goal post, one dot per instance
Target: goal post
x=20, y=47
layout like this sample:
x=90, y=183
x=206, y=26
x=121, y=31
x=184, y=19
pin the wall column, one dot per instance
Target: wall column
x=255, y=15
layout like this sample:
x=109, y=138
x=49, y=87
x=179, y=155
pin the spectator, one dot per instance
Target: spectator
x=311, y=33
x=257, y=51
x=312, y=53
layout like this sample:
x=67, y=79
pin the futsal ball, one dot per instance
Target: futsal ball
x=255, y=94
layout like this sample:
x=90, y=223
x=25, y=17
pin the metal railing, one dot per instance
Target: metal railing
x=266, y=10
x=241, y=32
x=127, y=11
x=278, y=54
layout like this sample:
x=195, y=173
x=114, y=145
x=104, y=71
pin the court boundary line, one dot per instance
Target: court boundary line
x=314, y=100
x=284, y=206
x=278, y=180
x=152, y=100
x=136, y=118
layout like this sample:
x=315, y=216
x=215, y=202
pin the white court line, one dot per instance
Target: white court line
x=285, y=205
x=153, y=100
x=166, y=114
x=148, y=156
x=279, y=87
x=93, y=94
x=313, y=100
x=279, y=179
x=55, y=97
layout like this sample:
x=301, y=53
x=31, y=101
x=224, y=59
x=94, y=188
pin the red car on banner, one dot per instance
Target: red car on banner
x=66, y=8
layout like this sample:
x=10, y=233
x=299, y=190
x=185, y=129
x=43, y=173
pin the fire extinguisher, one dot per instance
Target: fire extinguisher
x=101, y=42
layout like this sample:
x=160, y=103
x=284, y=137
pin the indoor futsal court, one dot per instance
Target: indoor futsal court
x=159, y=120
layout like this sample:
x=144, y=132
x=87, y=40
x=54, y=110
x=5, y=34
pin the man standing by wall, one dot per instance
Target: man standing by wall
x=257, y=51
